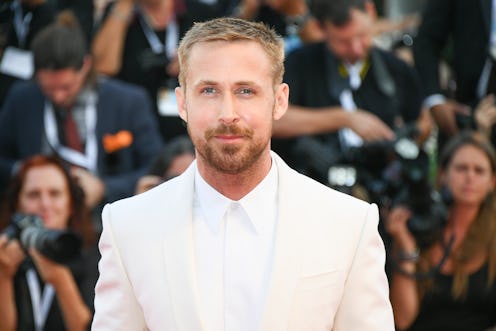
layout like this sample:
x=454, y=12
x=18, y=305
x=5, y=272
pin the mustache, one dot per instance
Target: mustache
x=234, y=130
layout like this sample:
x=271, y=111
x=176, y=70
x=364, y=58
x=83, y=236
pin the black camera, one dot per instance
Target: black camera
x=58, y=245
x=406, y=182
x=395, y=173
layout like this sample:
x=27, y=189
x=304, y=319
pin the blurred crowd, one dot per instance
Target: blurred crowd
x=391, y=101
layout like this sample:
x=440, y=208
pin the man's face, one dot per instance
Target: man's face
x=352, y=41
x=62, y=86
x=229, y=102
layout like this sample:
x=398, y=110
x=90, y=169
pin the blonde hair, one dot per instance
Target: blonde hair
x=233, y=29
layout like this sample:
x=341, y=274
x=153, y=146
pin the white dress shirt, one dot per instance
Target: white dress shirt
x=234, y=251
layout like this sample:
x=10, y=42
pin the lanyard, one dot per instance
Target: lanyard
x=21, y=24
x=87, y=160
x=171, y=38
x=41, y=302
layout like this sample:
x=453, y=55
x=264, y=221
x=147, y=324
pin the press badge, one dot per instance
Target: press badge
x=17, y=63
x=166, y=102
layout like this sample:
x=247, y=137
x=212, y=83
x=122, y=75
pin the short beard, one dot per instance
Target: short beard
x=230, y=159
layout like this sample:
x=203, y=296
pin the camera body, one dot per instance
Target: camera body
x=58, y=245
x=410, y=186
x=396, y=173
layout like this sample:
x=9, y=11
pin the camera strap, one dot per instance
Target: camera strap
x=41, y=302
x=171, y=37
x=88, y=159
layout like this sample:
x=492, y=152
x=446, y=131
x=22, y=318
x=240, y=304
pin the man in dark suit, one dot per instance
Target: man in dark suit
x=467, y=24
x=344, y=91
x=103, y=129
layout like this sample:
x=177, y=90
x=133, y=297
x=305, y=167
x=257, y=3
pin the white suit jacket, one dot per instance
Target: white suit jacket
x=328, y=271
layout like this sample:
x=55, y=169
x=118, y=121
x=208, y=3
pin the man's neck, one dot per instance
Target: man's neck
x=235, y=186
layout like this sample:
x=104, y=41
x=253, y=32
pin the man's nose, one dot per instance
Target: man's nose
x=228, y=113
x=358, y=48
x=58, y=97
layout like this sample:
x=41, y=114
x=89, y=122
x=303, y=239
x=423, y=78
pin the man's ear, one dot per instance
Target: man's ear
x=281, y=101
x=181, y=103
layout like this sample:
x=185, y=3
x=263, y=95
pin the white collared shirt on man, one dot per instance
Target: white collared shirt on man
x=234, y=243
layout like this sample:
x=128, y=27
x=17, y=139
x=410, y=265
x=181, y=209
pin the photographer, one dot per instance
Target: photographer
x=450, y=284
x=137, y=43
x=37, y=293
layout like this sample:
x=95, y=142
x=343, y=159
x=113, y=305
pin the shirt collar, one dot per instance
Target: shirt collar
x=259, y=204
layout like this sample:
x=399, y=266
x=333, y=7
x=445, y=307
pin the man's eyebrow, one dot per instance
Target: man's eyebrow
x=205, y=82
x=246, y=82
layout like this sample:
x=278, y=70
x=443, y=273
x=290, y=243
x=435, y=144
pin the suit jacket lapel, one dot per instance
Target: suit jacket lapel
x=287, y=254
x=36, y=116
x=179, y=255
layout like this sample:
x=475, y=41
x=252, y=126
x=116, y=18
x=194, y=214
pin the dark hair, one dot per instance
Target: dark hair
x=467, y=138
x=79, y=220
x=179, y=145
x=338, y=12
x=60, y=45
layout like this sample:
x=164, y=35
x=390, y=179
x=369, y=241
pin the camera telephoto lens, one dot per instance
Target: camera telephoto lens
x=60, y=246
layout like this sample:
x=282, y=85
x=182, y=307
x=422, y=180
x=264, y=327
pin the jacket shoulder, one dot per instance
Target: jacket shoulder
x=315, y=194
x=21, y=89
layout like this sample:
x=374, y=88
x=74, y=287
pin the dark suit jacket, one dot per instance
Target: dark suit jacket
x=467, y=23
x=120, y=107
x=314, y=81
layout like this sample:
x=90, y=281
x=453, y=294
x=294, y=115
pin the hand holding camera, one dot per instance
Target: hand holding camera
x=51, y=272
x=11, y=256
x=397, y=226
x=58, y=245
x=485, y=115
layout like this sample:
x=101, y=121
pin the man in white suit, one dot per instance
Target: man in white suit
x=239, y=241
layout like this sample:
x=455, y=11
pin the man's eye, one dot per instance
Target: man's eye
x=208, y=90
x=245, y=91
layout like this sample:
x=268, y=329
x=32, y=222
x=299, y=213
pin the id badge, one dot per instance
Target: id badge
x=17, y=63
x=166, y=102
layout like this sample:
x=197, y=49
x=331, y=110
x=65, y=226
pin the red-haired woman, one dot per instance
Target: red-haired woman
x=37, y=293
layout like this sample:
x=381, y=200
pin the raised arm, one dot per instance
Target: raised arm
x=108, y=43
x=300, y=121
x=75, y=312
x=11, y=256
x=404, y=293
